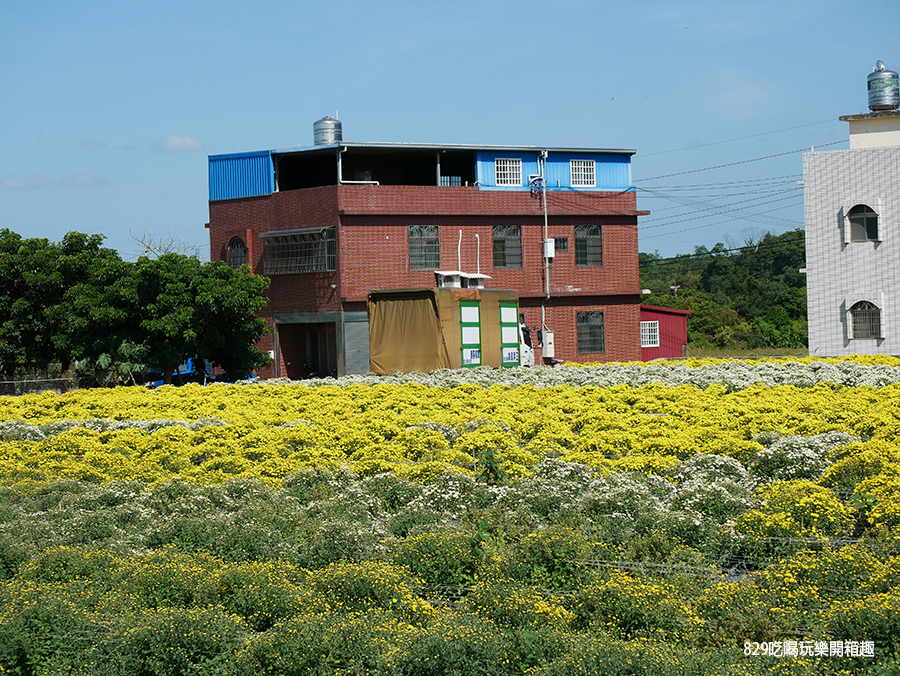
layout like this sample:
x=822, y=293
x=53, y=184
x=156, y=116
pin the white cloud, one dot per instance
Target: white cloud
x=38, y=182
x=178, y=144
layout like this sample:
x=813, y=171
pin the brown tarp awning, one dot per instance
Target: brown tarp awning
x=405, y=332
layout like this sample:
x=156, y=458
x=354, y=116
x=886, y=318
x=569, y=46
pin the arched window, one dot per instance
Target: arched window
x=588, y=245
x=865, y=320
x=237, y=253
x=863, y=224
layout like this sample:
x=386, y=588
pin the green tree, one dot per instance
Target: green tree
x=175, y=308
x=36, y=327
x=733, y=294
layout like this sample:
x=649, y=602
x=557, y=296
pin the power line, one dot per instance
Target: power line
x=740, y=138
x=709, y=225
x=709, y=254
x=705, y=206
x=741, y=214
x=732, y=164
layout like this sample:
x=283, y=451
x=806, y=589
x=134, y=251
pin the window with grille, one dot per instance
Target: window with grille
x=424, y=247
x=300, y=252
x=237, y=253
x=584, y=173
x=649, y=334
x=508, y=171
x=865, y=320
x=507, y=246
x=863, y=224
x=451, y=181
x=561, y=243
x=588, y=245
x=589, y=332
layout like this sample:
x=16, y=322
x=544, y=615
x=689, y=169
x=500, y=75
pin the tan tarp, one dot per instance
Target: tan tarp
x=419, y=330
x=405, y=332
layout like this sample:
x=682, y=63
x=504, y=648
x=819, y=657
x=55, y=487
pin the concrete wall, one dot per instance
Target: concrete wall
x=841, y=272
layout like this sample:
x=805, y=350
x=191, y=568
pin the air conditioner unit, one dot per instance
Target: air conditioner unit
x=451, y=279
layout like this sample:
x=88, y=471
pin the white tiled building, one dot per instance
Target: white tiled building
x=852, y=202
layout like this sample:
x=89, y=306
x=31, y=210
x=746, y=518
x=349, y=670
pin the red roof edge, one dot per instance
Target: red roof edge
x=669, y=310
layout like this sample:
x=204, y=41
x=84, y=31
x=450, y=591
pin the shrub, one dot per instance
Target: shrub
x=181, y=641
x=453, y=644
x=260, y=593
x=443, y=557
x=628, y=606
x=799, y=457
x=371, y=585
x=794, y=509
x=551, y=558
x=874, y=618
x=513, y=604
x=322, y=645
x=168, y=578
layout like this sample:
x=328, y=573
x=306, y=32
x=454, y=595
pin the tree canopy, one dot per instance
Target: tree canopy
x=744, y=297
x=75, y=300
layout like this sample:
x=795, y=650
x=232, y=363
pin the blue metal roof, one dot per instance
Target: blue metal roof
x=241, y=175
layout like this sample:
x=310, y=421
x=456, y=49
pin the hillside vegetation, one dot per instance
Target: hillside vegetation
x=741, y=298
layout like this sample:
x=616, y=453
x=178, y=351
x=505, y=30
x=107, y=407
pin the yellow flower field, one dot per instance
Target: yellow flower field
x=665, y=522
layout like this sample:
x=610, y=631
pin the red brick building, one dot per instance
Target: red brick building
x=330, y=222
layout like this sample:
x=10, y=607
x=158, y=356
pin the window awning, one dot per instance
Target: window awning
x=300, y=231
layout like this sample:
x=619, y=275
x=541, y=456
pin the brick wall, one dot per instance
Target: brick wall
x=373, y=250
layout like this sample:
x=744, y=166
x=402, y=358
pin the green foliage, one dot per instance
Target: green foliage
x=321, y=644
x=747, y=298
x=36, y=326
x=630, y=606
x=182, y=641
x=454, y=645
x=550, y=558
x=74, y=300
x=441, y=557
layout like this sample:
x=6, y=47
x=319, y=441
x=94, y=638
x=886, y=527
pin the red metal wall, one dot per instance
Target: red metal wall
x=672, y=332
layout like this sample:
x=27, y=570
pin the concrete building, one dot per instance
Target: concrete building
x=852, y=203
x=330, y=222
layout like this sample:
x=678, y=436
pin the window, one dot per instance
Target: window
x=507, y=246
x=470, y=337
x=237, y=253
x=451, y=181
x=508, y=171
x=589, y=332
x=311, y=250
x=424, y=247
x=865, y=320
x=561, y=243
x=584, y=173
x=588, y=245
x=863, y=224
x=649, y=334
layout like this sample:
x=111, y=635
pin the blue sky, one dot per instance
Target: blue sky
x=110, y=109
